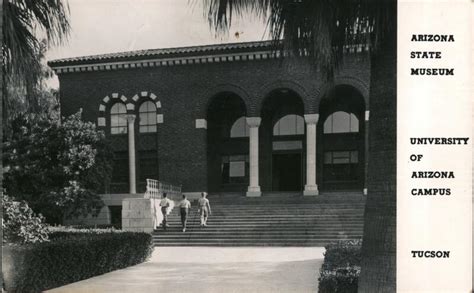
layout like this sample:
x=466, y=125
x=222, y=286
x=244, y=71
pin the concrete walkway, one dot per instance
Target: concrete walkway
x=213, y=269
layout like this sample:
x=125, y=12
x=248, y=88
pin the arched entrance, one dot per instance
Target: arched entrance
x=227, y=144
x=283, y=142
x=341, y=144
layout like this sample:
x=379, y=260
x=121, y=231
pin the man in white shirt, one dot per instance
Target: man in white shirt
x=165, y=204
x=184, y=207
x=204, y=208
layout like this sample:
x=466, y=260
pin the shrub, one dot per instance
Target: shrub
x=72, y=256
x=83, y=229
x=20, y=225
x=342, y=254
x=341, y=267
x=343, y=280
x=58, y=166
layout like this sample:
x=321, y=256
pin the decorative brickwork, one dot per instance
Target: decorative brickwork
x=182, y=93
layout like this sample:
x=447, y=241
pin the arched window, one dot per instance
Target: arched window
x=289, y=125
x=118, y=119
x=147, y=116
x=239, y=128
x=341, y=122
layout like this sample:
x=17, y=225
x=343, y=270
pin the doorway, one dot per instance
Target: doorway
x=287, y=172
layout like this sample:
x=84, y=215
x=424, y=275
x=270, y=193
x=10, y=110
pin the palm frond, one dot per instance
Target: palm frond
x=318, y=29
x=25, y=23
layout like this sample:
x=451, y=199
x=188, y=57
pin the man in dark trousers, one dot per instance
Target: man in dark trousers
x=184, y=207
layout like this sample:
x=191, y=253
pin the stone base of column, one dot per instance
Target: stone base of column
x=253, y=191
x=310, y=190
x=139, y=215
x=365, y=191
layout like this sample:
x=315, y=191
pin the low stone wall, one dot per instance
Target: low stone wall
x=103, y=218
x=138, y=215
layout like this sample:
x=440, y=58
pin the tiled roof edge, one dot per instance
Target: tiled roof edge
x=165, y=52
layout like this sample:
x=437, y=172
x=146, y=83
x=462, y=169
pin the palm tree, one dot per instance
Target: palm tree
x=25, y=24
x=319, y=30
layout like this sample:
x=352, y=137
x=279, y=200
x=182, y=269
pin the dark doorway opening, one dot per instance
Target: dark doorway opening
x=341, y=140
x=227, y=144
x=116, y=216
x=287, y=172
x=282, y=137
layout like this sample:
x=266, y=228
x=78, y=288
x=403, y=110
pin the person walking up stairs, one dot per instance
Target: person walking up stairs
x=165, y=203
x=184, y=208
x=204, y=208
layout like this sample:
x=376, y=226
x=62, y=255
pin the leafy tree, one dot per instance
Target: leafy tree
x=57, y=168
x=318, y=30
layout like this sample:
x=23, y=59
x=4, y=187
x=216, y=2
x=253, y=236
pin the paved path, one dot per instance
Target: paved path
x=213, y=269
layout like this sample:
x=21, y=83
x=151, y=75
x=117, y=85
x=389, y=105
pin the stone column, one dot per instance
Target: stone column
x=311, y=188
x=254, y=187
x=366, y=150
x=131, y=154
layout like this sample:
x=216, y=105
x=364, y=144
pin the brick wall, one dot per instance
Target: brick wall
x=185, y=91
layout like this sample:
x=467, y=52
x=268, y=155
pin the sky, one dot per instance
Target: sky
x=106, y=26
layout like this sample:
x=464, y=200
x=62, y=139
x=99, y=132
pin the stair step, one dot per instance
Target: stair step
x=208, y=229
x=189, y=235
x=319, y=242
x=275, y=219
x=211, y=237
x=243, y=233
x=275, y=222
x=194, y=244
x=259, y=240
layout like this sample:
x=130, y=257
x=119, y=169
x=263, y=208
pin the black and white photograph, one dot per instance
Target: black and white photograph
x=200, y=146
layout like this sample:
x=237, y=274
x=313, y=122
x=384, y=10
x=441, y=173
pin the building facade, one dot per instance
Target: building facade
x=225, y=118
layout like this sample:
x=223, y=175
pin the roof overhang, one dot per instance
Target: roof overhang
x=177, y=56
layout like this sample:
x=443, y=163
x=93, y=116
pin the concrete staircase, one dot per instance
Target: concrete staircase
x=275, y=219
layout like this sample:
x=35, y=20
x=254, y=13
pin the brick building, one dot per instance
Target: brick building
x=224, y=118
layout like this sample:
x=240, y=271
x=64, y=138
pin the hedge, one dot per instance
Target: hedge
x=55, y=232
x=95, y=226
x=70, y=257
x=341, y=267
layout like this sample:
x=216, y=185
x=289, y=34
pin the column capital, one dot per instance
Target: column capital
x=311, y=118
x=131, y=118
x=253, y=121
